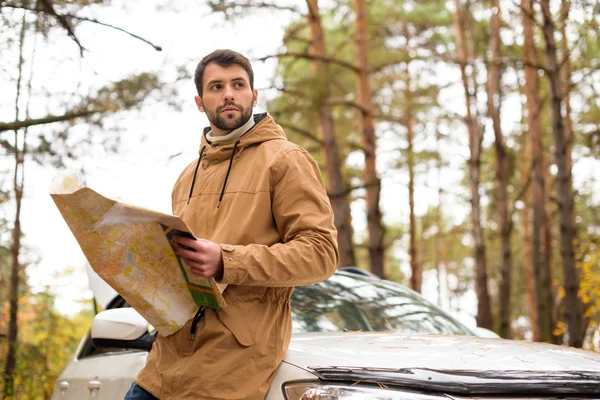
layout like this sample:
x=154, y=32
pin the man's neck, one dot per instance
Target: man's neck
x=219, y=136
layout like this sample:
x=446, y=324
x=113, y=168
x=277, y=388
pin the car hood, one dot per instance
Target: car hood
x=462, y=365
x=440, y=352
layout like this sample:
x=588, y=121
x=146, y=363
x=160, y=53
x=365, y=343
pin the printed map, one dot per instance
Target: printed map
x=129, y=248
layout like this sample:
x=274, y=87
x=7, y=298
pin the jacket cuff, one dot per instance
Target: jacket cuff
x=231, y=264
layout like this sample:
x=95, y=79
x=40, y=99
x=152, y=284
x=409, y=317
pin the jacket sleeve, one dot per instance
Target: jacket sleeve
x=304, y=218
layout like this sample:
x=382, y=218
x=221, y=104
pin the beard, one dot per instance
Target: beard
x=229, y=122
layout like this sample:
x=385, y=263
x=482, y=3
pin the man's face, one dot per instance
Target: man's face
x=227, y=98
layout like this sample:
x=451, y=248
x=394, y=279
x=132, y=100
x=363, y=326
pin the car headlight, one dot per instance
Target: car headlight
x=322, y=391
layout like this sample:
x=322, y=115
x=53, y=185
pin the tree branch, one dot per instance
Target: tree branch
x=92, y=20
x=521, y=193
x=529, y=14
x=312, y=57
x=346, y=192
x=95, y=21
x=18, y=124
x=63, y=22
x=348, y=103
x=389, y=118
x=301, y=131
x=222, y=6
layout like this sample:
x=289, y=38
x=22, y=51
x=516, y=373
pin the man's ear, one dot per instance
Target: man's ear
x=255, y=96
x=199, y=103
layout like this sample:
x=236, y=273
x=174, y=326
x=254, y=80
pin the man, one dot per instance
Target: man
x=265, y=224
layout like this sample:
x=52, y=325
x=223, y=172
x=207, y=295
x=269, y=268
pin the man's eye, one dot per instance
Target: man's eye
x=216, y=87
x=238, y=85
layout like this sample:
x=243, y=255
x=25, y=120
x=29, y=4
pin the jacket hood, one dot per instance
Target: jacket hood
x=265, y=129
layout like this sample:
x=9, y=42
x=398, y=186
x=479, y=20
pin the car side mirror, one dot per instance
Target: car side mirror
x=121, y=328
x=486, y=333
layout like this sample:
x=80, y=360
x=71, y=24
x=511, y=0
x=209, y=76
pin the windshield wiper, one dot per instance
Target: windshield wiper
x=471, y=382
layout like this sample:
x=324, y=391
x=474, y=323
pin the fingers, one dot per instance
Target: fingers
x=187, y=242
x=192, y=253
x=201, y=256
x=189, y=253
x=199, y=269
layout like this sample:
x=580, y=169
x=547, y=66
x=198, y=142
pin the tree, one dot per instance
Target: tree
x=338, y=194
x=502, y=170
x=475, y=130
x=416, y=278
x=368, y=139
x=564, y=186
x=541, y=268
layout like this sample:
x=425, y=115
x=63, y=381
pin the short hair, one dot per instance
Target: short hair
x=223, y=58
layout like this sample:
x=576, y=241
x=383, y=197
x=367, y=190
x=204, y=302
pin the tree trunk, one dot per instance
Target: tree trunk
x=566, y=88
x=338, y=196
x=11, y=362
x=541, y=268
x=566, y=82
x=502, y=172
x=368, y=140
x=527, y=247
x=547, y=247
x=484, y=313
x=573, y=307
x=10, y=365
x=416, y=277
x=439, y=264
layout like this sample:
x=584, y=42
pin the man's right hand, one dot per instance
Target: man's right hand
x=202, y=256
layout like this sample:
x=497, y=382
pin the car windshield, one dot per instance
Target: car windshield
x=355, y=303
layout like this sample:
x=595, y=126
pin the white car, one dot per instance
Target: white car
x=357, y=337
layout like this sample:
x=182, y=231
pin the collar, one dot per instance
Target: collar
x=233, y=135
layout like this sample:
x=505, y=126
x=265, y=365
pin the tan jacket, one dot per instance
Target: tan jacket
x=275, y=227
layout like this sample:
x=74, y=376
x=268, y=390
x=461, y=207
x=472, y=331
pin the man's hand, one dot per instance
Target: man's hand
x=202, y=256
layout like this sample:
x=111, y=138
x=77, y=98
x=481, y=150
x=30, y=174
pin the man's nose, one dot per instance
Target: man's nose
x=228, y=94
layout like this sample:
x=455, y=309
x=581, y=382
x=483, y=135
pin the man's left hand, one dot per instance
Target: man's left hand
x=202, y=256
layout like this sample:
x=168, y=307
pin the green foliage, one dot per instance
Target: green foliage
x=47, y=342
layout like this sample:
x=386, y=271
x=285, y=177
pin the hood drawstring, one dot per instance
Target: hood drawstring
x=195, y=173
x=228, y=170
x=197, y=318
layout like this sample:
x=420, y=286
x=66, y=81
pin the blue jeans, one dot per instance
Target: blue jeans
x=137, y=392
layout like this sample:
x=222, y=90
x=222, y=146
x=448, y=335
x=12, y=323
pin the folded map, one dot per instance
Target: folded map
x=130, y=248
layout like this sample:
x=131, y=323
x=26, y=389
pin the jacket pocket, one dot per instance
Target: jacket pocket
x=232, y=318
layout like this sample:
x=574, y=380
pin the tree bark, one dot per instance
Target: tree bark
x=566, y=87
x=329, y=148
x=541, y=267
x=11, y=361
x=440, y=247
x=527, y=247
x=484, y=312
x=368, y=141
x=573, y=307
x=566, y=81
x=416, y=277
x=502, y=172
